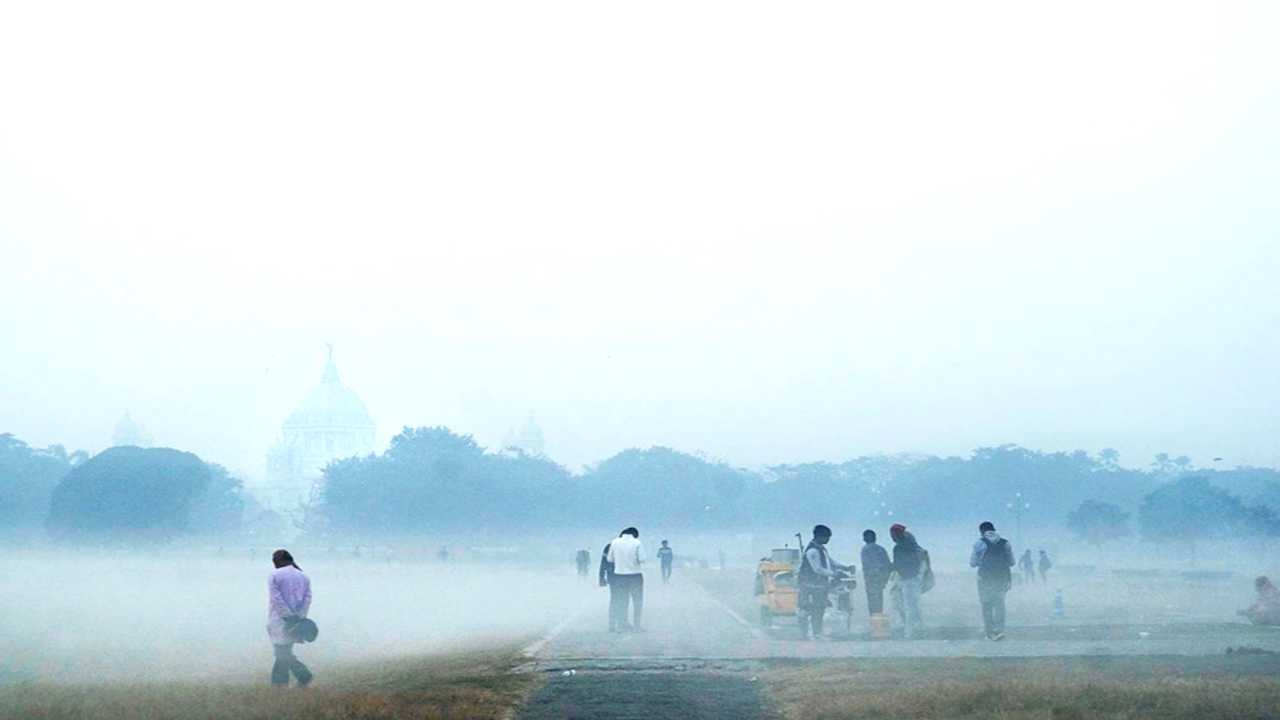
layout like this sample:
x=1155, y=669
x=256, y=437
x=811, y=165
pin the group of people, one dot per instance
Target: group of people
x=1028, y=567
x=909, y=570
x=908, y=574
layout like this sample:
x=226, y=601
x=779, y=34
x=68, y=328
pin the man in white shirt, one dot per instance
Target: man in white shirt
x=627, y=555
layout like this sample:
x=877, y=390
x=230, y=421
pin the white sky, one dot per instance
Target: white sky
x=768, y=231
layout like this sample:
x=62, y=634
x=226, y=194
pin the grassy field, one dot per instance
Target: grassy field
x=477, y=684
x=1168, y=688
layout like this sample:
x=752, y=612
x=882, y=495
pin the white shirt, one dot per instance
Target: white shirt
x=288, y=593
x=627, y=555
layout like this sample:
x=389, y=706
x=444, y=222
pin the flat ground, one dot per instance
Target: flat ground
x=1127, y=647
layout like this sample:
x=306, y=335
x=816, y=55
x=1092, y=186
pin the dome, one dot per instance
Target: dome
x=330, y=405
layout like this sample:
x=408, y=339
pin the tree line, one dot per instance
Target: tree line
x=431, y=481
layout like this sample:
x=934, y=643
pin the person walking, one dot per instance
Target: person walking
x=583, y=561
x=606, y=580
x=817, y=571
x=908, y=564
x=1045, y=564
x=666, y=556
x=1028, y=567
x=992, y=555
x=627, y=555
x=288, y=601
x=876, y=568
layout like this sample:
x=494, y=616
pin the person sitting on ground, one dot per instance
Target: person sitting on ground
x=288, y=601
x=1265, y=610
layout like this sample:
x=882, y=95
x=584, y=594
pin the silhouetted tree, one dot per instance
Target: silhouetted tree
x=27, y=479
x=1096, y=522
x=128, y=494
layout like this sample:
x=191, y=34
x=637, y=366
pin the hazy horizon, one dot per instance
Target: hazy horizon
x=833, y=232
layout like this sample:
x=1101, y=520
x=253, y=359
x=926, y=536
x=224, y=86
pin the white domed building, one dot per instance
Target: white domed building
x=331, y=423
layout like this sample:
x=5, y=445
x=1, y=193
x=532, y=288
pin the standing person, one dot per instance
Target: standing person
x=627, y=555
x=606, y=580
x=1045, y=564
x=666, y=556
x=288, y=600
x=993, y=556
x=876, y=568
x=908, y=561
x=1028, y=567
x=583, y=561
x=817, y=570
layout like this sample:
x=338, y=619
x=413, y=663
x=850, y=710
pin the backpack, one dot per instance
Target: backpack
x=994, y=567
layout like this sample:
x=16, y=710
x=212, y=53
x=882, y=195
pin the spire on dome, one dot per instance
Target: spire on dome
x=330, y=370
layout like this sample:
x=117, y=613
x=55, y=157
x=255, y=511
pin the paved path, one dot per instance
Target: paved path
x=689, y=628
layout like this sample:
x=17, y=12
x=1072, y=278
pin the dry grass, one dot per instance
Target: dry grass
x=1026, y=689
x=472, y=685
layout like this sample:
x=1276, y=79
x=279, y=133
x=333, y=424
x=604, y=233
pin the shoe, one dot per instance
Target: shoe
x=998, y=636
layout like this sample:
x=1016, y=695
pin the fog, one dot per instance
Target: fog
x=771, y=236
x=506, y=278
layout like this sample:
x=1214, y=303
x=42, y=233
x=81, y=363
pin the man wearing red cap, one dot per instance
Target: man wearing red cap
x=907, y=561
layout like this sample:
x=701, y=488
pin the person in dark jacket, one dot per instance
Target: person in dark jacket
x=1028, y=567
x=876, y=568
x=1045, y=564
x=992, y=555
x=907, y=564
x=817, y=571
x=606, y=580
x=583, y=561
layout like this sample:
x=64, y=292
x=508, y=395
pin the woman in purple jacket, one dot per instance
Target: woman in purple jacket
x=288, y=600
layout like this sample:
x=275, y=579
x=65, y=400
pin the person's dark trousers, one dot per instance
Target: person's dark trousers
x=617, y=603
x=666, y=572
x=814, y=601
x=875, y=599
x=287, y=662
x=992, y=599
x=632, y=589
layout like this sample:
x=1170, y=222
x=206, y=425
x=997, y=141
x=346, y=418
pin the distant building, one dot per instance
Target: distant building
x=331, y=423
x=529, y=439
x=130, y=432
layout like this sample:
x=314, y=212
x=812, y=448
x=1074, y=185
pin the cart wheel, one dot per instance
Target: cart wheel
x=766, y=617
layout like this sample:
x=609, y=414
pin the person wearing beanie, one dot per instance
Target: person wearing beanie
x=993, y=556
x=817, y=570
x=908, y=561
x=876, y=568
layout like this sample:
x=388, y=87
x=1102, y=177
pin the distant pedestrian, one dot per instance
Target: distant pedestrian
x=876, y=568
x=992, y=555
x=1045, y=564
x=627, y=555
x=288, y=601
x=606, y=580
x=443, y=553
x=909, y=565
x=583, y=561
x=667, y=557
x=1028, y=567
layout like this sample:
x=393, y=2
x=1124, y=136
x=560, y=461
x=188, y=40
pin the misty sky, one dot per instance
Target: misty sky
x=769, y=232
